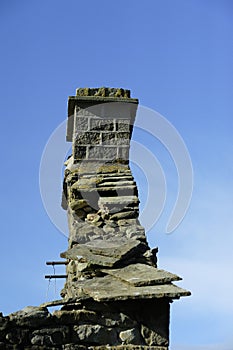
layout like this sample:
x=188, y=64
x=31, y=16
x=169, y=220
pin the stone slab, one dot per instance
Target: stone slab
x=116, y=347
x=127, y=347
x=60, y=302
x=119, y=199
x=105, y=253
x=116, y=183
x=115, y=187
x=142, y=275
x=115, y=177
x=108, y=288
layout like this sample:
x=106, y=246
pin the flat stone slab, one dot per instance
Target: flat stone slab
x=114, y=347
x=61, y=302
x=105, y=253
x=118, y=200
x=116, y=183
x=142, y=275
x=98, y=188
x=108, y=288
x=127, y=347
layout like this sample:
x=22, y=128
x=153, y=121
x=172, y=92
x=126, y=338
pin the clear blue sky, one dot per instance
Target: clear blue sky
x=176, y=56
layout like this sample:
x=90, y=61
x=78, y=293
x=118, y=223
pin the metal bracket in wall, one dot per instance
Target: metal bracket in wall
x=55, y=276
x=56, y=263
x=53, y=263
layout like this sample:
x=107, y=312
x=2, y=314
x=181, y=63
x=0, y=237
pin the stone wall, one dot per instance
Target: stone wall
x=87, y=325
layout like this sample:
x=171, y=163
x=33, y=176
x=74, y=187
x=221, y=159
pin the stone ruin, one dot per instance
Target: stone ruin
x=114, y=297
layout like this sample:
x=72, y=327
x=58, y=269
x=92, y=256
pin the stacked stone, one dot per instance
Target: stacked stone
x=99, y=189
x=114, y=297
x=100, y=192
x=34, y=328
x=109, y=260
x=102, y=202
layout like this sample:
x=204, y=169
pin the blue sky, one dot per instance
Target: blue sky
x=176, y=57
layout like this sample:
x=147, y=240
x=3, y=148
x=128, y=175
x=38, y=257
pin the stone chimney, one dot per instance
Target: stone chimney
x=115, y=297
x=111, y=271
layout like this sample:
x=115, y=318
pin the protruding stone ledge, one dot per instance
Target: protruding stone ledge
x=122, y=347
x=108, y=288
x=105, y=253
x=139, y=275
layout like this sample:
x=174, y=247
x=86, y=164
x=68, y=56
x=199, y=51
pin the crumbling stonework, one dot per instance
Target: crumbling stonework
x=83, y=325
x=114, y=297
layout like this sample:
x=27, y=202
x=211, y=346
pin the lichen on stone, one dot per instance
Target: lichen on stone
x=103, y=92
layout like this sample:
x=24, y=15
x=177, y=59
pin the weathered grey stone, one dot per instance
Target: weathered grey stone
x=122, y=138
x=98, y=124
x=31, y=316
x=151, y=255
x=71, y=290
x=153, y=338
x=80, y=152
x=114, y=168
x=128, y=214
x=115, y=177
x=109, y=288
x=73, y=347
x=81, y=124
x=120, y=320
x=62, y=302
x=123, y=152
x=82, y=251
x=95, y=334
x=105, y=253
x=50, y=336
x=131, y=336
x=41, y=347
x=74, y=316
x=87, y=138
x=135, y=233
x=129, y=223
x=123, y=125
x=72, y=268
x=130, y=231
x=108, y=138
x=127, y=347
x=100, y=317
x=85, y=182
x=108, y=347
x=109, y=152
x=142, y=275
x=118, y=202
x=108, y=229
x=44, y=340
x=94, y=219
x=102, y=152
x=80, y=231
x=119, y=183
